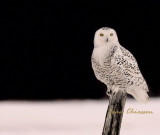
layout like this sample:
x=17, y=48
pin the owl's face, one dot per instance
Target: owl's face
x=105, y=36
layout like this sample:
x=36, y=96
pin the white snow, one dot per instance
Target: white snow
x=74, y=117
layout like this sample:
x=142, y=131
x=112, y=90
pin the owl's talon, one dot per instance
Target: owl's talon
x=109, y=92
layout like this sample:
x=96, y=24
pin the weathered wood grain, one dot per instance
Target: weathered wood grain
x=114, y=114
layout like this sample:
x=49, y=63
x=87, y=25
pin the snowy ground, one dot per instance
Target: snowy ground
x=75, y=117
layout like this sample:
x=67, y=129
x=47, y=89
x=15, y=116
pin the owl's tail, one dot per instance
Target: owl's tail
x=140, y=95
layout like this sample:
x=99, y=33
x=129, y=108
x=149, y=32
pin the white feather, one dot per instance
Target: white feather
x=139, y=94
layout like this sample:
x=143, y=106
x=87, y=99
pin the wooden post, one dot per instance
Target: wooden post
x=114, y=114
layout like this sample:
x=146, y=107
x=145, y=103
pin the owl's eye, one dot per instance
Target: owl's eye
x=111, y=34
x=101, y=35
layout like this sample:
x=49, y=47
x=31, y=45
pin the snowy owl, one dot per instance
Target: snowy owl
x=116, y=67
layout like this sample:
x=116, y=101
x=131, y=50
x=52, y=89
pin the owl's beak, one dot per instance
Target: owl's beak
x=107, y=39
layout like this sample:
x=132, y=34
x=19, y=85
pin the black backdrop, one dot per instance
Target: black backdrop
x=47, y=46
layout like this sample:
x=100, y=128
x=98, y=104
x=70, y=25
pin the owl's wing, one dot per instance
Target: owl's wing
x=129, y=67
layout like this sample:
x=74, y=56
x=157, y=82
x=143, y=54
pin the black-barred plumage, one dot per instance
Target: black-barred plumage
x=116, y=67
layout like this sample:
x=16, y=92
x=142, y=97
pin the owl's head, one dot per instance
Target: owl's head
x=105, y=36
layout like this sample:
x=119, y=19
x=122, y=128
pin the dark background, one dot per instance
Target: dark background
x=47, y=46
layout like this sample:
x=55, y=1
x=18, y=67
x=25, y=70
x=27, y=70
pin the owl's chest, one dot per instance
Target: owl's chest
x=103, y=69
x=107, y=73
x=101, y=66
